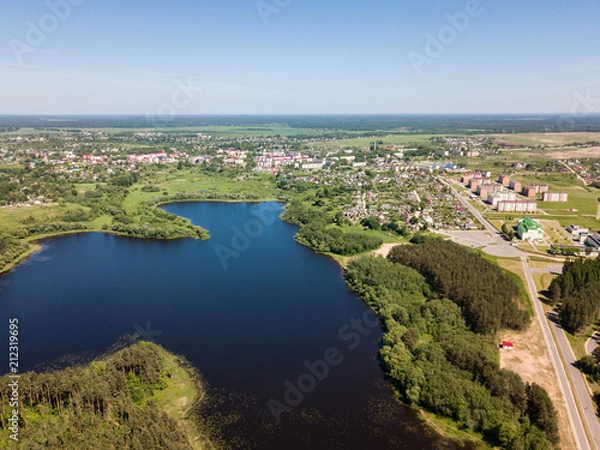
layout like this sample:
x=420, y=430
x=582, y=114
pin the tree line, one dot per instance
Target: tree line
x=578, y=290
x=11, y=249
x=437, y=362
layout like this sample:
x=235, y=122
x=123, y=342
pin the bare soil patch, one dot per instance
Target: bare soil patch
x=589, y=152
x=531, y=360
x=384, y=250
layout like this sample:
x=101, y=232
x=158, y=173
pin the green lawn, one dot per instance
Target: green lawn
x=192, y=181
x=14, y=217
x=387, y=238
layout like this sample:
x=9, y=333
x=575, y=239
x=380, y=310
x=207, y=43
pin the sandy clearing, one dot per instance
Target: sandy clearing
x=384, y=250
x=589, y=152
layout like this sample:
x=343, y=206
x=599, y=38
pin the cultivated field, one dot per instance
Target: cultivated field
x=545, y=139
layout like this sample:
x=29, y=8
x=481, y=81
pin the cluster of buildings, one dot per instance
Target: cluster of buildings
x=496, y=193
x=584, y=242
x=506, y=195
x=584, y=236
x=94, y=159
x=463, y=146
x=578, y=233
x=272, y=162
x=152, y=158
x=533, y=190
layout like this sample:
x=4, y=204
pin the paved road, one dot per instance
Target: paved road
x=581, y=387
x=592, y=342
x=497, y=245
x=563, y=376
x=564, y=370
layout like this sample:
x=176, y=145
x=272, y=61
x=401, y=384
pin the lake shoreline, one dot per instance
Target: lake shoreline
x=341, y=262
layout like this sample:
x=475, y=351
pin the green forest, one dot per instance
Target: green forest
x=578, y=290
x=10, y=249
x=318, y=232
x=115, y=402
x=489, y=298
x=437, y=362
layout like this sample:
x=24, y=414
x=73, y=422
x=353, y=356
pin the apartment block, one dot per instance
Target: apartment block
x=555, y=197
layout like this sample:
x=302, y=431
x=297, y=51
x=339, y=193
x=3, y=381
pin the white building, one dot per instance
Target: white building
x=500, y=196
x=579, y=233
x=529, y=229
x=555, y=197
x=523, y=206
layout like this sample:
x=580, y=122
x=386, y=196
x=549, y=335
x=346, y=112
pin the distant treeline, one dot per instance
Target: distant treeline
x=437, y=363
x=578, y=289
x=490, y=299
x=328, y=124
x=318, y=232
x=193, y=196
x=106, y=404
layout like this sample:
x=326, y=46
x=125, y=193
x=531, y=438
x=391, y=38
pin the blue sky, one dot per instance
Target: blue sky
x=327, y=56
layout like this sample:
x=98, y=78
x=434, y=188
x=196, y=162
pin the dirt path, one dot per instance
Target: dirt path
x=384, y=250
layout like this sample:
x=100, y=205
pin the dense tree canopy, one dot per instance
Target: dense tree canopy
x=436, y=362
x=318, y=232
x=489, y=298
x=107, y=404
x=578, y=288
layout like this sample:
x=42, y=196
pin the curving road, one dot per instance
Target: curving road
x=572, y=384
x=593, y=342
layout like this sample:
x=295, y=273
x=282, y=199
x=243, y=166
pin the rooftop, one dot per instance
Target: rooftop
x=527, y=224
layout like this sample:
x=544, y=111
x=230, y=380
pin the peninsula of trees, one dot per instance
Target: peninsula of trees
x=140, y=398
x=439, y=350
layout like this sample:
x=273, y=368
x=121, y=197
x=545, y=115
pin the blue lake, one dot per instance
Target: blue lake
x=253, y=310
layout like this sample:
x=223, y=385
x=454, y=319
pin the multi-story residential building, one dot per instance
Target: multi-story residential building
x=516, y=186
x=555, y=197
x=494, y=197
x=520, y=206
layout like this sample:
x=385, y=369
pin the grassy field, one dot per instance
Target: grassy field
x=192, y=181
x=549, y=139
x=387, y=238
x=447, y=427
x=14, y=217
x=393, y=139
x=514, y=268
x=580, y=208
x=583, y=199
